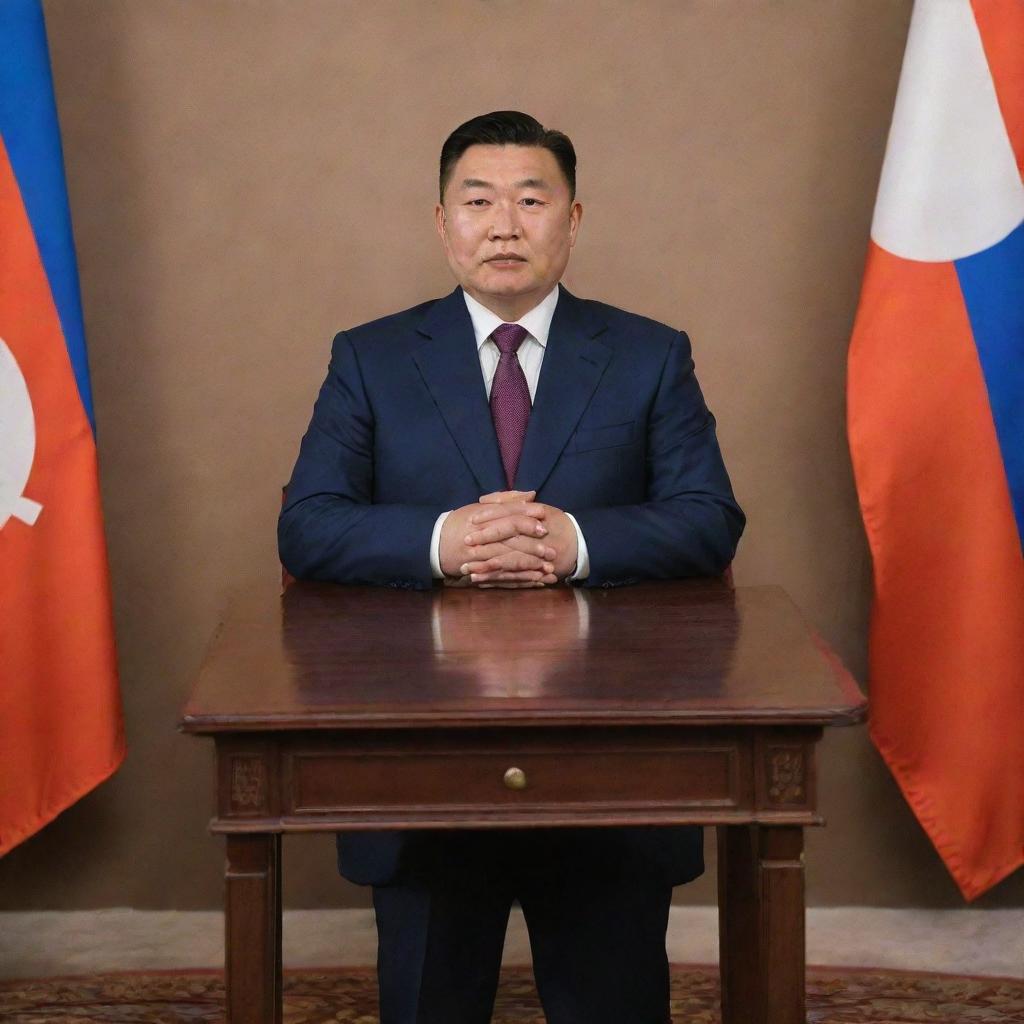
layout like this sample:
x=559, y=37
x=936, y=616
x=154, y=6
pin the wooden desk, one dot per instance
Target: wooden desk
x=664, y=703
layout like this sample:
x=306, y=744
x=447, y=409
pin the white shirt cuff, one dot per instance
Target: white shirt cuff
x=435, y=546
x=582, y=570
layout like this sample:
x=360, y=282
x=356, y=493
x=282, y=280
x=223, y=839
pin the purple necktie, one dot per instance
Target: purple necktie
x=510, y=398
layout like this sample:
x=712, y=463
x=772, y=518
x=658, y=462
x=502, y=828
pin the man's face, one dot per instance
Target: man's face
x=507, y=224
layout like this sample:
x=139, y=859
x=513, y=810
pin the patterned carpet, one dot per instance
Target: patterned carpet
x=348, y=996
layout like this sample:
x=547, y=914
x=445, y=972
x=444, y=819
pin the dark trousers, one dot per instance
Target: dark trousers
x=597, y=932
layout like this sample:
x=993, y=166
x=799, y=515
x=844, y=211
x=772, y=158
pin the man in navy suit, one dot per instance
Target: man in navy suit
x=511, y=435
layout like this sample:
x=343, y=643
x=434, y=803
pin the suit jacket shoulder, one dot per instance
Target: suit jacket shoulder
x=623, y=318
x=379, y=337
x=391, y=322
x=624, y=328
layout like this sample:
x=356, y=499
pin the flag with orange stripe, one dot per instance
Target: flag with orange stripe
x=60, y=714
x=936, y=427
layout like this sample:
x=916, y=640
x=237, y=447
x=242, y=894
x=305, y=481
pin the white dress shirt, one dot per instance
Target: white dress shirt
x=530, y=355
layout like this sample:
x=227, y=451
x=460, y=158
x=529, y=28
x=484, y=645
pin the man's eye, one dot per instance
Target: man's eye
x=528, y=201
x=477, y=202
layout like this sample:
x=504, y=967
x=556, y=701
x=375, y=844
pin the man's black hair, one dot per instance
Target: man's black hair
x=507, y=128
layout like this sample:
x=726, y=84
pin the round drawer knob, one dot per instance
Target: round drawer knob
x=515, y=778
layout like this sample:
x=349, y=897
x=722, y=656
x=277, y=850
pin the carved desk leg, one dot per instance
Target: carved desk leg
x=761, y=924
x=783, y=950
x=253, y=921
x=739, y=924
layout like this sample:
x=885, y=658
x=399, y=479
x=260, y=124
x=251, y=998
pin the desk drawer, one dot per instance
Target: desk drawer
x=501, y=775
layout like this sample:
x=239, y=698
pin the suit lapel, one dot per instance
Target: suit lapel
x=450, y=367
x=574, y=363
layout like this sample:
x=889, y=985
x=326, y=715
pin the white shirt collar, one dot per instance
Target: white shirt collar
x=537, y=322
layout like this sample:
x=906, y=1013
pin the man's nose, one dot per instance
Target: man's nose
x=505, y=221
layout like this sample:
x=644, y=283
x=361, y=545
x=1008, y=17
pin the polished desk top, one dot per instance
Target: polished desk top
x=688, y=652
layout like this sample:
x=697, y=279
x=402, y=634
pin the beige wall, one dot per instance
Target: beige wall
x=248, y=177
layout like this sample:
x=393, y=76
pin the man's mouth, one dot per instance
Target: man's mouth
x=505, y=257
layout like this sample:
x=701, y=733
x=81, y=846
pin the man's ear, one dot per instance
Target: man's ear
x=439, y=221
x=575, y=216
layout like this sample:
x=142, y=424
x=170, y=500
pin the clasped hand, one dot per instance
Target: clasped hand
x=507, y=540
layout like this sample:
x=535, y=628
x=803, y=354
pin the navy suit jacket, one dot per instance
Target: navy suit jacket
x=619, y=436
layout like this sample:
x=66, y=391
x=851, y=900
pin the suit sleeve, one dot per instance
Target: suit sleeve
x=690, y=523
x=329, y=527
